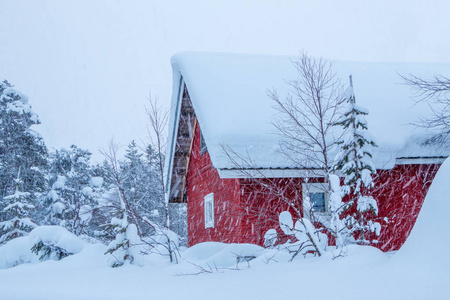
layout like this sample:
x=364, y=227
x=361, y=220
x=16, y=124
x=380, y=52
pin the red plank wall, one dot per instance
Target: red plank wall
x=203, y=179
x=245, y=209
x=400, y=193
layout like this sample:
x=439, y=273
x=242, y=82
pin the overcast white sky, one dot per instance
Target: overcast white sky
x=88, y=66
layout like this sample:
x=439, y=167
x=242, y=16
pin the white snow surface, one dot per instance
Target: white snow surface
x=220, y=255
x=229, y=95
x=86, y=275
x=429, y=241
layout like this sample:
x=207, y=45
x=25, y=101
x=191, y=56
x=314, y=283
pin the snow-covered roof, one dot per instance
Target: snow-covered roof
x=229, y=96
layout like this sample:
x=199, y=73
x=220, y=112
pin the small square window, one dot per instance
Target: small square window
x=318, y=198
x=209, y=210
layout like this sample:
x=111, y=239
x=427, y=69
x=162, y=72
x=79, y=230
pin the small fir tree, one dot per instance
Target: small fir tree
x=17, y=207
x=354, y=161
x=123, y=248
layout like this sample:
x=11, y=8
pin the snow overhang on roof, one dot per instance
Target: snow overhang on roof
x=229, y=96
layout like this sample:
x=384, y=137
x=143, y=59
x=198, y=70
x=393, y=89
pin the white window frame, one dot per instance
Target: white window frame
x=315, y=187
x=209, y=210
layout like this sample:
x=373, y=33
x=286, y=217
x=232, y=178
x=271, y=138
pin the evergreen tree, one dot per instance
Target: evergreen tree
x=71, y=199
x=354, y=162
x=141, y=188
x=16, y=211
x=157, y=206
x=20, y=146
x=123, y=248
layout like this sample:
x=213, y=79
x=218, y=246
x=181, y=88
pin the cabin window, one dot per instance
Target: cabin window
x=209, y=210
x=203, y=148
x=317, y=194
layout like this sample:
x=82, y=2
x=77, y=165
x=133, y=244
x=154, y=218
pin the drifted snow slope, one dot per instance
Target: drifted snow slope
x=429, y=241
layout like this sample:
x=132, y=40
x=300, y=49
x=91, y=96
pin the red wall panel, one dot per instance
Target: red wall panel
x=246, y=208
x=203, y=179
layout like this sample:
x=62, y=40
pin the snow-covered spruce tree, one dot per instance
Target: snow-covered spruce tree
x=155, y=187
x=354, y=161
x=123, y=248
x=141, y=188
x=71, y=199
x=16, y=213
x=20, y=146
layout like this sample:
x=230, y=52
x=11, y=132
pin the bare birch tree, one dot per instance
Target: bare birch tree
x=157, y=131
x=305, y=123
x=306, y=115
x=436, y=93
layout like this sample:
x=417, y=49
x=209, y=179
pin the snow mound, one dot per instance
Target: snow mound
x=221, y=255
x=18, y=251
x=429, y=241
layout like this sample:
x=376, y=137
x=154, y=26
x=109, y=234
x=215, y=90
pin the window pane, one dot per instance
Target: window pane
x=209, y=211
x=318, y=201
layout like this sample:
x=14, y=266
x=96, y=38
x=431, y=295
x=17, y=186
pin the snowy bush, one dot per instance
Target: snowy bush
x=43, y=243
x=124, y=248
x=304, y=237
x=270, y=238
x=286, y=223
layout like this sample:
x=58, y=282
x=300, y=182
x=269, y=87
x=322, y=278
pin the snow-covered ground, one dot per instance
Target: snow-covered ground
x=365, y=274
x=420, y=270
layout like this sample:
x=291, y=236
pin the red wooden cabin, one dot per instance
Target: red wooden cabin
x=220, y=102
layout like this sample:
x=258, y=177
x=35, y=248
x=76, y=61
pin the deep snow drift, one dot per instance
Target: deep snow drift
x=420, y=270
x=429, y=241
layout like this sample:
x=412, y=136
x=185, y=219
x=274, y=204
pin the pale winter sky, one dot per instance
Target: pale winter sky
x=88, y=66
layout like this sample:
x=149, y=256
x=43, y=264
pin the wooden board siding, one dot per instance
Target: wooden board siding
x=400, y=193
x=203, y=179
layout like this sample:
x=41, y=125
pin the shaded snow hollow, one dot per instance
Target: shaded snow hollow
x=229, y=95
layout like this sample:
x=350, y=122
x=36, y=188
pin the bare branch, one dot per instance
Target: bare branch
x=158, y=138
x=436, y=93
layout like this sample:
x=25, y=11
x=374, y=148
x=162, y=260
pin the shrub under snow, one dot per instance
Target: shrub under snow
x=47, y=242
